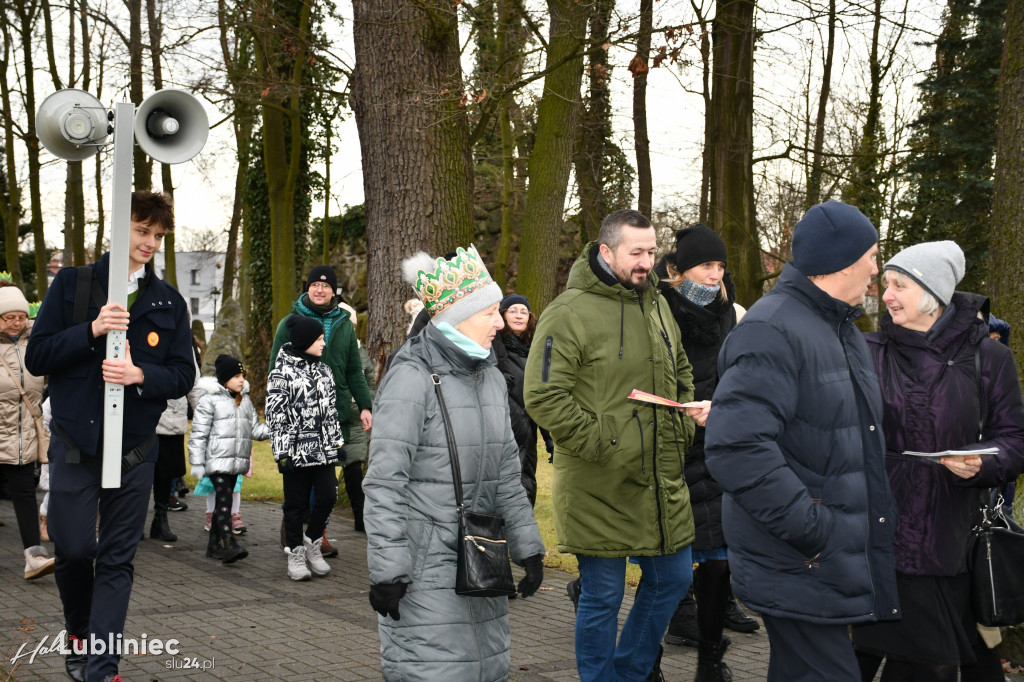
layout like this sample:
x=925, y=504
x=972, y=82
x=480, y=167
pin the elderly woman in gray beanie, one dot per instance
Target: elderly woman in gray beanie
x=932, y=344
x=22, y=444
x=410, y=513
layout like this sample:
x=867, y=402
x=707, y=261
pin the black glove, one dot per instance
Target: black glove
x=529, y=585
x=384, y=598
x=285, y=464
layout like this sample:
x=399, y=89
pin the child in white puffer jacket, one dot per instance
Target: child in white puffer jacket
x=220, y=446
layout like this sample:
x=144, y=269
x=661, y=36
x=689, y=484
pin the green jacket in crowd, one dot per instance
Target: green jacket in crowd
x=618, y=487
x=341, y=354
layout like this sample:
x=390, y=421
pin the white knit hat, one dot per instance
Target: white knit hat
x=12, y=300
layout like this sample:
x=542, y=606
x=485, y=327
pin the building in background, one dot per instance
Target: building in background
x=200, y=283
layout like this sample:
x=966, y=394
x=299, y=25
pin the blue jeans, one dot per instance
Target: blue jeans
x=664, y=581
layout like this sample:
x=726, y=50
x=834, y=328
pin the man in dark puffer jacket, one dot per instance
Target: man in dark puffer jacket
x=794, y=437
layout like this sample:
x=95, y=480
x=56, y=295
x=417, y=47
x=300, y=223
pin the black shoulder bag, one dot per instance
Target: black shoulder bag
x=484, y=567
x=996, y=554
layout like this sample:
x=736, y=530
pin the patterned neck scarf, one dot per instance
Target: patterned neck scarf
x=700, y=294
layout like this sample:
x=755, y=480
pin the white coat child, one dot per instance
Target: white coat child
x=220, y=447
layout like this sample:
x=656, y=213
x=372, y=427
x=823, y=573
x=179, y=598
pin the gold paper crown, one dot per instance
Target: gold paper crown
x=6, y=277
x=440, y=283
x=33, y=309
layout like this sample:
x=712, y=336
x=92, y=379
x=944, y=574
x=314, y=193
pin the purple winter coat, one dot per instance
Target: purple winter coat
x=930, y=396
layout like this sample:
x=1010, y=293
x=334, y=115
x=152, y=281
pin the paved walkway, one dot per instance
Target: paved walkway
x=240, y=621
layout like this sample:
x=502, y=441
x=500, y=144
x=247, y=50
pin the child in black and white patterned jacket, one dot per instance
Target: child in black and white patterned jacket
x=307, y=442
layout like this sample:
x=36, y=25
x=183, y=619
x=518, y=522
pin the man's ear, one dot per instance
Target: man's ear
x=605, y=252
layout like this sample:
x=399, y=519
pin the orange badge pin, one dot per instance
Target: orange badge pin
x=153, y=339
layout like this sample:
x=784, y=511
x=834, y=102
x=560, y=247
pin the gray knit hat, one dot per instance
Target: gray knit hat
x=937, y=266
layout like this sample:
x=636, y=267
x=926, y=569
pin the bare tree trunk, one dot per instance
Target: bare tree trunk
x=27, y=15
x=551, y=157
x=508, y=22
x=708, y=153
x=231, y=256
x=732, y=188
x=156, y=30
x=595, y=127
x=645, y=196
x=414, y=137
x=143, y=164
x=11, y=208
x=814, y=178
x=326, y=248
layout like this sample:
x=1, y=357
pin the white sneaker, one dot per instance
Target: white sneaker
x=37, y=563
x=297, y=569
x=317, y=564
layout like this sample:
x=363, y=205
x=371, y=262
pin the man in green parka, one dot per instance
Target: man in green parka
x=341, y=354
x=618, y=487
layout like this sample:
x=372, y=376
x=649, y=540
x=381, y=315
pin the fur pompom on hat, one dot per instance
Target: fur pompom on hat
x=452, y=289
x=226, y=367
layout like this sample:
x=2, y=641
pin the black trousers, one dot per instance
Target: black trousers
x=298, y=483
x=21, y=487
x=223, y=487
x=95, y=572
x=809, y=652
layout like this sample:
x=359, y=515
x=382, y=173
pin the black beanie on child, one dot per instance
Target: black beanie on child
x=303, y=331
x=226, y=367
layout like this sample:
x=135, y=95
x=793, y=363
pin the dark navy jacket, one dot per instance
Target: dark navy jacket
x=931, y=394
x=795, y=439
x=161, y=344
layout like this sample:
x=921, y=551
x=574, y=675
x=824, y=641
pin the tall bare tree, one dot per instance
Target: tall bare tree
x=551, y=159
x=639, y=68
x=407, y=94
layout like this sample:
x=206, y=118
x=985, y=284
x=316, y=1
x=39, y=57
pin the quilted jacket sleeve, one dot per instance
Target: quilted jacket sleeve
x=399, y=413
x=199, y=437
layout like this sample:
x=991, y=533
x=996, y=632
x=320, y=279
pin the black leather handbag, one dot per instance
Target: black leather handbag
x=994, y=560
x=484, y=568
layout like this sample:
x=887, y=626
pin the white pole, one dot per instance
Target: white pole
x=117, y=286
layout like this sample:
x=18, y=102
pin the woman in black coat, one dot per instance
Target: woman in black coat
x=700, y=294
x=511, y=347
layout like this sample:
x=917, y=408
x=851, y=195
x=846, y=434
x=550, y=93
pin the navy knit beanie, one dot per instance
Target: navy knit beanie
x=830, y=237
x=513, y=299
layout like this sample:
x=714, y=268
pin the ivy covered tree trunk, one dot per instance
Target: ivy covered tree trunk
x=595, y=127
x=731, y=210
x=281, y=49
x=414, y=135
x=551, y=159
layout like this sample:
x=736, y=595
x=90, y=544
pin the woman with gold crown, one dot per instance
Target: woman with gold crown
x=427, y=631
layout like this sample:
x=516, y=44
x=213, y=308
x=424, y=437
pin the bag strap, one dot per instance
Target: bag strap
x=85, y=286
x=450, y=436
x=35, y=417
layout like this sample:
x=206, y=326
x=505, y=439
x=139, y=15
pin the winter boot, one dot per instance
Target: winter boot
x=37, y=562
x=326, y=548
x=43, y=534
x=314, y=556
x=682, y=629
x=736, y=619
x=237, y=527
x=159, y=529
x=297, y=569
x=233, y=551
x=76, y=663
x=710, y=666
x=214, y=547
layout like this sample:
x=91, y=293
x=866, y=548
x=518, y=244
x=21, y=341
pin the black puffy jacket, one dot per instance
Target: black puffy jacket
x=511, y=353
x=795, y=439
x=703, y=330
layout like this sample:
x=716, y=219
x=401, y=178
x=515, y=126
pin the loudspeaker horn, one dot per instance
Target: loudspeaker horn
x=171, y=126
x=72, y=124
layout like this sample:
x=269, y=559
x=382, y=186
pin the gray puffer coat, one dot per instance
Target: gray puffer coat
x=410, y=516
x=222, y=432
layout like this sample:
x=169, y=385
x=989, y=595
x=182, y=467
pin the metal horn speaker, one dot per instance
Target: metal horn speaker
x=171, y=126
x=72, y=124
